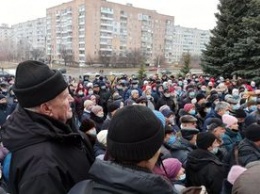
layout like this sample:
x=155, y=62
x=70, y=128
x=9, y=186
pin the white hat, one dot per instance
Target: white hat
x=102, y=137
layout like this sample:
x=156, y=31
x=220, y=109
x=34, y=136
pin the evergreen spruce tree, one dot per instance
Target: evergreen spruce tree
x=186, y=58
x=141, y=72
x=247, y=49
x=219, y=58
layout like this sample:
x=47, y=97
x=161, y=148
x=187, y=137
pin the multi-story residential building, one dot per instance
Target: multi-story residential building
x=90, y=28
x=33, y=33
x=5, y=32
x=190, y=40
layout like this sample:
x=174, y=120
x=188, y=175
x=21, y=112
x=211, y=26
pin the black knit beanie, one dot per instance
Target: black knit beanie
x=253, y=132
x=135, y=134
x=205, y=140
x=35, y=83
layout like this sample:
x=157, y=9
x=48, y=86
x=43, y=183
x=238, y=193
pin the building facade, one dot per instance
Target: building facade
x=88, y=29
x=32, y=33
x=189, y=40
x=5, y=32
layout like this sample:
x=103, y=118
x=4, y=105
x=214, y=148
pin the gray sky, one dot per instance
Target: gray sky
x=188, y=13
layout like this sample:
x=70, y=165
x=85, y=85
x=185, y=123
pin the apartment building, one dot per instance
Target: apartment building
x=5, y=32
x=90, y=28
x=32, y=33
x=190, y=40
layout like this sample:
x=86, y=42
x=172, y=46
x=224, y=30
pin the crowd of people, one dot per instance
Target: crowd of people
x=161, y=134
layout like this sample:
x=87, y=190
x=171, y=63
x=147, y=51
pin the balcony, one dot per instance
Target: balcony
x=107, y=10
x=106, y=49
x=81, y=49
x=106, y=37
x=109, y=24
x=103, y=17
x=82, y=55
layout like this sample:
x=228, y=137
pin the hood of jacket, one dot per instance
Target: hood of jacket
x=177, y=145
x=116, y=177
x=24, y=128
x=246, y=144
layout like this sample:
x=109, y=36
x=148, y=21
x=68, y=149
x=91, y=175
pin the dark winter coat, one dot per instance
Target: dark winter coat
x=204, y=168
x=108, y=177
x=247, y=152
x=210, y=115
x=5, y=110
x=166, y=101
x=47, y=155
x=230, y=137
x=180, y=150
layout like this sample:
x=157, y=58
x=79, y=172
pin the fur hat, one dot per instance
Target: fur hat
x=35, y=83
x=135, y=134
x=205, y=140
x=229, y=120
x=188, y=133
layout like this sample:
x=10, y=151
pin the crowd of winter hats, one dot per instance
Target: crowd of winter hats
x=126, y=140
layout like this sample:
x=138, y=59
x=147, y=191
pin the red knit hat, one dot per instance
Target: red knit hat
x=188, y=107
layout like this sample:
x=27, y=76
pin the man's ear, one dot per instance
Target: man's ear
x=45, y=109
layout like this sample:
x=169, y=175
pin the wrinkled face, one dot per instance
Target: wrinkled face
x=60, y=106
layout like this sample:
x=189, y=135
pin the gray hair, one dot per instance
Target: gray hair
x=134, y=91
x=221, y=106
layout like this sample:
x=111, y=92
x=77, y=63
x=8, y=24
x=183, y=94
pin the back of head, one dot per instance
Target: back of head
x=229, y=120
x=214, y=123
x=88, y=104
x=253, y=132
x=205, y=140
x=221, y=106
x=172, y=167
x=35, y=83
x=135, y=134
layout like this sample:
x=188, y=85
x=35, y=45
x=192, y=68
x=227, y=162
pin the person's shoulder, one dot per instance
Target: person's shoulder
x=82, y=187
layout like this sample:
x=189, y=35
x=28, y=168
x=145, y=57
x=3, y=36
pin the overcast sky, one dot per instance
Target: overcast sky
x=188, y=13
